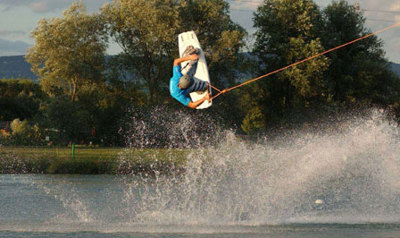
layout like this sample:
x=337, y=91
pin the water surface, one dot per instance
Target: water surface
x=344, y=183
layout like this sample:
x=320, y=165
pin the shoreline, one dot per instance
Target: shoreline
x=89, y=160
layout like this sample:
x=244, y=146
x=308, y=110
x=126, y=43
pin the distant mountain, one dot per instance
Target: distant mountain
x=13, y=47
x=15, y=67
x=396, y=68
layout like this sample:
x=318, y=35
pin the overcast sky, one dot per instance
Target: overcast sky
x=19, y=17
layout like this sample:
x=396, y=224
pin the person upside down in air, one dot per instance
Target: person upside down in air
x=181, y=85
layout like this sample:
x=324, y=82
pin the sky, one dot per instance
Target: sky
x=19, y=17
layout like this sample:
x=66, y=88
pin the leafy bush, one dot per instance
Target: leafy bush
x=22, y=133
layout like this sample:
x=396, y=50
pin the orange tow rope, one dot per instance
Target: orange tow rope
x=304, y=60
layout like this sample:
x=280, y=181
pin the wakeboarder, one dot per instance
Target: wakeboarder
x=181, y=85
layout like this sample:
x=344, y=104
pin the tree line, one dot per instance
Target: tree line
x=84, y=94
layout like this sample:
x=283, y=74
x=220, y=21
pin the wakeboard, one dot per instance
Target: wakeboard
x=186, y=39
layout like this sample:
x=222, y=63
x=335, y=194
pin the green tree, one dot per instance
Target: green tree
x=23, y=133
x=68, y=118
x=145, y=30
x=105, y=106
x=220, y=37
x=254, y=121
x=19, y=98
x=286, y=33
x=358, y=73
x=68, y=51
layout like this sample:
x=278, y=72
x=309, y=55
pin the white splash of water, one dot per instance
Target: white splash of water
x=354, y=170
x=75, y=205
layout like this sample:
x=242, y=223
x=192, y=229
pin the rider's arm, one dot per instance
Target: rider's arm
x=190, y=57
x=197, y=103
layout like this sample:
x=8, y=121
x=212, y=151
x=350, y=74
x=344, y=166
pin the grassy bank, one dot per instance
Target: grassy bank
x=88, y=160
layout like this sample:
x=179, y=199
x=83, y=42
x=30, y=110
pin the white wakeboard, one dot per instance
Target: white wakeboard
x=186, y=39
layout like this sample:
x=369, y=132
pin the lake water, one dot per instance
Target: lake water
x=344, y=183
x=94, y=206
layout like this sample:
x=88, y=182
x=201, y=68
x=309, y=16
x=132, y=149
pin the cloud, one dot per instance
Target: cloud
x=39, y=7
x=244, y=5
x=8, y=48
x=395, y=6
x=377, y=16
x=42, y=6
x=380, y=14
x=393, y=54
x=6, y=9
x=5, y=33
